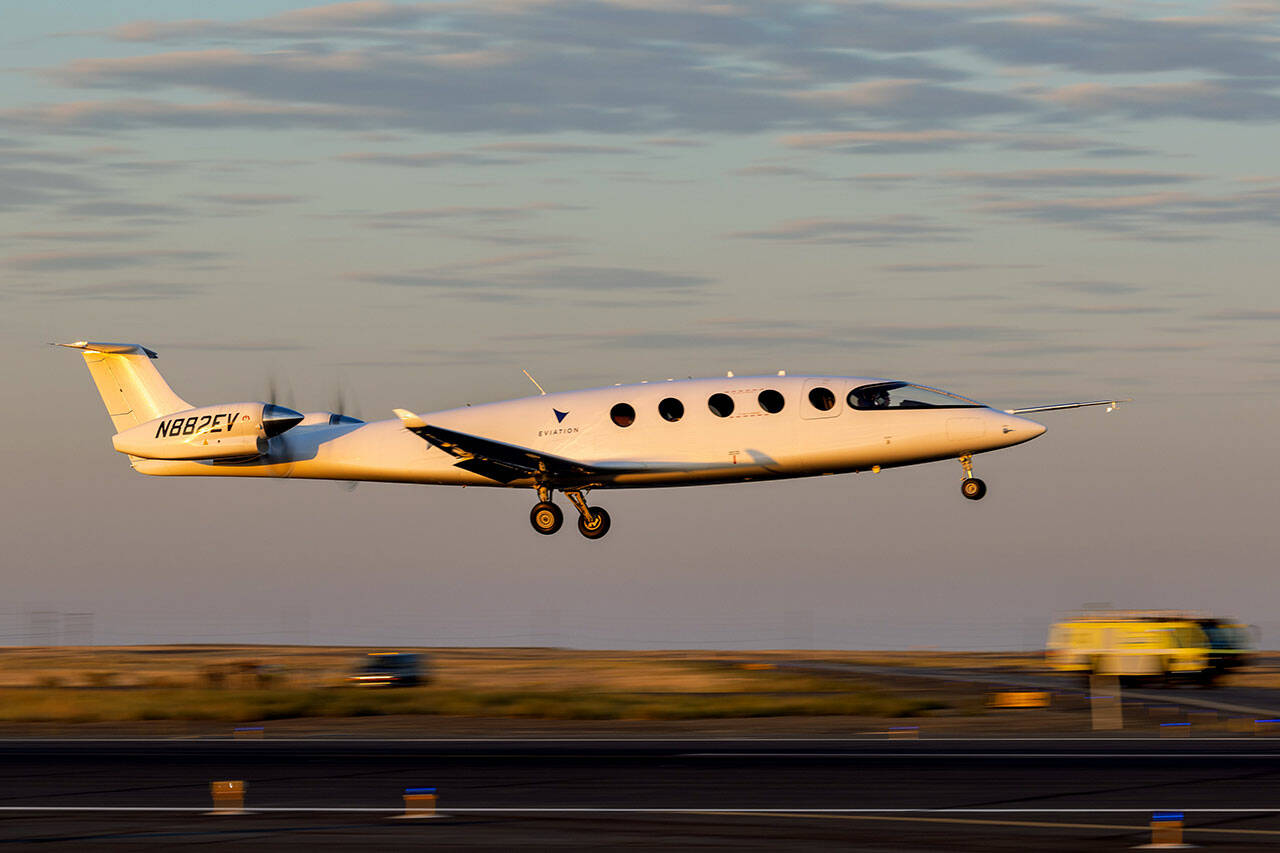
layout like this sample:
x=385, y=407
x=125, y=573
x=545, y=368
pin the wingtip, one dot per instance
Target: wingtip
x=409, y=419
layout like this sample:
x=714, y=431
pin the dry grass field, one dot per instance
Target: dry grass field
x=241, y=683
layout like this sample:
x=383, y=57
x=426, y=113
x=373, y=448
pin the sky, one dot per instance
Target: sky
x=407, y=204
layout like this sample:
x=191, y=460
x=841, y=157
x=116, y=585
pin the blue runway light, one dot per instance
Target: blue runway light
x=1167, y=816
x=1162, y=725
x=419, y=790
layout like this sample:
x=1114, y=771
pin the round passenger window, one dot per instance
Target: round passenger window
x=771, y=401
x=671, y=409
x=721, y=405
x=822, y=399
x=623, y=415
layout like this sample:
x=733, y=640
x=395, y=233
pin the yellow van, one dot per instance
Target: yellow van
x=1147, y=645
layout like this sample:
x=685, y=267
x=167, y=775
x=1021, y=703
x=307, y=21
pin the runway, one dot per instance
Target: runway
x=1057, y=794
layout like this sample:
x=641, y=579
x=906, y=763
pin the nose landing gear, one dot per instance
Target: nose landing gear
x=971, y=487
x=546, y=517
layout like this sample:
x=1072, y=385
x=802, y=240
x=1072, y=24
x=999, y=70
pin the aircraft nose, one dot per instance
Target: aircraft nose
x=1017, y=430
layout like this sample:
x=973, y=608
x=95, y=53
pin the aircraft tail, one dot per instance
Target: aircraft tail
x=132, y=389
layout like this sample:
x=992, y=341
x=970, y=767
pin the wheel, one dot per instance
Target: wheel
x=546, y=518
x=597, y=530
x=973, y=488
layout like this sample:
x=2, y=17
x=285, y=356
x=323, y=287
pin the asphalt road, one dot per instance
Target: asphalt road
x=968, y=795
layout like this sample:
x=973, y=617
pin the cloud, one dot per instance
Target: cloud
x=605, y=285
x=115, y=208
x=1237, y=101
x=885, y=231
x=766, y=170
x=251, y=199
x=1044, y=178
x=555, y=148
x=24, y=187
x=912, y=100
x=1255, y=315
x=670, y=69
x=344, y=19
x=453, y=213
x=133, y=113
x=1148, y=211
x=96, y=261
x=82, y=236
x=430, y=159
x=675, y=142
x=932, y=140
x=1094, y=288
x=130, y=291
x=958, y=266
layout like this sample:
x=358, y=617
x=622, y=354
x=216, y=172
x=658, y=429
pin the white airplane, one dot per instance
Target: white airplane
x=673, y=433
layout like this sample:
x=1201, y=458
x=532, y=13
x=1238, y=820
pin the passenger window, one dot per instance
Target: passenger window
x=671, y=409
x=771, y=401
x=721, y=405
x=822, y=399
x=623, y=415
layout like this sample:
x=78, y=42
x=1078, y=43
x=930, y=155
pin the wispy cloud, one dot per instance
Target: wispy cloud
x=252, y=199
x=125, y=291
x=606, y=285
x=1070, y=177
x=1149, y=211
x=1241, y=101
x=1094, y=288
x=665, y=69
x=98, y=261
x=884, y=231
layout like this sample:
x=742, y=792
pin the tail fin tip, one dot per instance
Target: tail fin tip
x=103, y=348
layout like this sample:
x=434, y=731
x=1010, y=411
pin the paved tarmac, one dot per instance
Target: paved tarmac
x=1046, y=794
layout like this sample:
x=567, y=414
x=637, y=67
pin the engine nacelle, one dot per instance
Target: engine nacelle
x=328, y=419
x=224, y=431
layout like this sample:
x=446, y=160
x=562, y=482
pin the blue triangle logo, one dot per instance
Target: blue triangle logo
x=560, y=416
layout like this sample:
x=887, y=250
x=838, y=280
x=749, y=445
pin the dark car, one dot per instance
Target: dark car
x=390, y=669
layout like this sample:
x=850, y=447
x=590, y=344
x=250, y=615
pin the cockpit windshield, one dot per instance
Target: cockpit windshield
x=904, y=395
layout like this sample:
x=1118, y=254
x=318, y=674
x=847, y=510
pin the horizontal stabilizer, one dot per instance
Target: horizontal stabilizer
x=110, y=349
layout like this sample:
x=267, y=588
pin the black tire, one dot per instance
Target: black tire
x=546, y=518
x=973, y=488
x=601, y=526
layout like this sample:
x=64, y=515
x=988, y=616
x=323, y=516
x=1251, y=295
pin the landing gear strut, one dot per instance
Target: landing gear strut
x=546, y=517
x=593, y=522
x=971, y=487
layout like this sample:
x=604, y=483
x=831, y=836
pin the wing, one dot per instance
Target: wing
x=1053, y=407
x=504, y=462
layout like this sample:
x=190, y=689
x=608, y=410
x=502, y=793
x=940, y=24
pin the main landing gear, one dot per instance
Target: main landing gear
x=546, y=517
x=971, y=487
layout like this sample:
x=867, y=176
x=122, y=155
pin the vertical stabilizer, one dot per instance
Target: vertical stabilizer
x=132, y=389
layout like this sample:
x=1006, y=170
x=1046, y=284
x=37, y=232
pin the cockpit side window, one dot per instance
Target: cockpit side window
x=904, y=395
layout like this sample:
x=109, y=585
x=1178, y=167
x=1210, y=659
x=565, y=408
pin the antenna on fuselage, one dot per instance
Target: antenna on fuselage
x=534, y=381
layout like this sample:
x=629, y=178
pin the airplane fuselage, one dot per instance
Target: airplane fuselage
x=750, y=442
